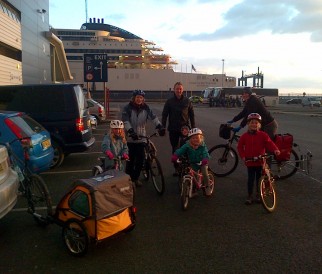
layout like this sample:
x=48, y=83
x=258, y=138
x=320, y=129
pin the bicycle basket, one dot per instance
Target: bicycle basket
x=225, y=131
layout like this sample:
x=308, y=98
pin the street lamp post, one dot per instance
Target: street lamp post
x=223, y=69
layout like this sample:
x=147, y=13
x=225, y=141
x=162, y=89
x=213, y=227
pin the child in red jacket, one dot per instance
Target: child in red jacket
x=254, y=143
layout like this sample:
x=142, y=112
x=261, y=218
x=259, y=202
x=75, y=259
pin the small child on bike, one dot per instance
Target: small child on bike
x=254, y=143
x=196, y=150
x=184, y=135
x=114, y=145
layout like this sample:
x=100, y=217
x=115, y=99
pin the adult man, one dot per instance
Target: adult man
x=255, y=105
x=180, y=112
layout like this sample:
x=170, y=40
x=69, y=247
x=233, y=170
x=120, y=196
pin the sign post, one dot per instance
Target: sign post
x=95, y=70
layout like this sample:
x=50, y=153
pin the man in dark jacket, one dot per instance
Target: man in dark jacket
x=255, y=105
x=180, y=112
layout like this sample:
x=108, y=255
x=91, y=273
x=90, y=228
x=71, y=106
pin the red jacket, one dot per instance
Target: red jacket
x=254, y=144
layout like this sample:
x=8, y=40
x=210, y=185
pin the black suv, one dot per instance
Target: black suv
x=60, y=108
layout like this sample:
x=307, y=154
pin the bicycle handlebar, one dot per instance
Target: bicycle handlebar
x=260, y=157
x=148, y=136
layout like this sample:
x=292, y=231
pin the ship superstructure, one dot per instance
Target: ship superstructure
x=133, y=62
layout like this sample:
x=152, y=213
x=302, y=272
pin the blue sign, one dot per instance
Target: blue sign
x=95, y=67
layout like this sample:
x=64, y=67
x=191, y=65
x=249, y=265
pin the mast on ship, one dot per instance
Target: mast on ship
x=86, y=14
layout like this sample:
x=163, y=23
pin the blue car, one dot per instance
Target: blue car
x=18, y=129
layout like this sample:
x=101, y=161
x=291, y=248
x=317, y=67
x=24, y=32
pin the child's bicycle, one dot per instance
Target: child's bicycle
x=191, y=182
x=152, y=167
x=98, y=169
x=266, y=183
x=224, y=158
x=31, y=186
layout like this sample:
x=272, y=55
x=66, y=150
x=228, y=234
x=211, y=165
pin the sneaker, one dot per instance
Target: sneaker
x=258, y=199
x=208, y=191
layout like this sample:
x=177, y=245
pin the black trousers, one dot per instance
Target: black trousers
x=174, y=137
x=254, y=173
x=136, y=154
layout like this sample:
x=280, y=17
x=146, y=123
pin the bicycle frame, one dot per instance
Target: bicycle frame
x=266, y=184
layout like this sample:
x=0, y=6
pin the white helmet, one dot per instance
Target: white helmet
x=194, y=131
x=116, y=124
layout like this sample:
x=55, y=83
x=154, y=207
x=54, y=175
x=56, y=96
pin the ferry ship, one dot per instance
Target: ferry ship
x=133, y=62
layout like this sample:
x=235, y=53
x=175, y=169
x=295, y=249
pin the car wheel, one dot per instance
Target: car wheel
x=58, y=155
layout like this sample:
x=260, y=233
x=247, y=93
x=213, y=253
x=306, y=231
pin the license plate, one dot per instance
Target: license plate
x=46, y=144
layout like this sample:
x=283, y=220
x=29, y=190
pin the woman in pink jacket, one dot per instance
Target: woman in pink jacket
x=254, y=143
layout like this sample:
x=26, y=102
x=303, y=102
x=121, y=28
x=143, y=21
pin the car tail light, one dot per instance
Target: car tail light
x=79, y=124
x=14, y=128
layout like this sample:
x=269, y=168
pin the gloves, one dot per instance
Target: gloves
x=125, y=156
x=204, y=162
x=174, y=158
x=161, y=130
x=230, y=122
x=109, y=154
x=132, y=134
x=236, y=129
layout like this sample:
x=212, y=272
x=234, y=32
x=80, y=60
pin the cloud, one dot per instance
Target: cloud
x=278, y=17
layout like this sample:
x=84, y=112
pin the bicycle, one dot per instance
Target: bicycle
x=152, y=167
x=224, y=160
x=266, y=183
x=31, y=186
x=191, y=182
x=98, y=169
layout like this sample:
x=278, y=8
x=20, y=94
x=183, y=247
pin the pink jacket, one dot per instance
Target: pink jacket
x=254, y=144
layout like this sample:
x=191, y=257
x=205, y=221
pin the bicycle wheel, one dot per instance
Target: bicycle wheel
x=268, y=195
x=185, y=191
x=39, y=200
x=223, y=160
x=211, y=181
x=157, y=175
x=75, y=237
x=285, y=169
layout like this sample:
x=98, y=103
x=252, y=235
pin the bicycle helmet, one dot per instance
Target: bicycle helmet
x=255, y=116
x=247, y=90
x=116, y=124
x=138, y=92
x=194, y=131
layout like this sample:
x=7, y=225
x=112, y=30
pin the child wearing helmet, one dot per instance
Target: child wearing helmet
x=114, y=144
x=196, y=150
x=254, y=143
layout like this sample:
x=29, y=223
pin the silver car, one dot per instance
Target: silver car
x=97, y=110
x=9, y=183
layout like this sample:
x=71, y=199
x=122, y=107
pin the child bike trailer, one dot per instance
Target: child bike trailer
x=95, y=209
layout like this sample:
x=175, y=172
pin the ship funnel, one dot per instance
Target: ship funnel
x=98, y=20
x=90, y=20
x=94, y=20
x=102, y=20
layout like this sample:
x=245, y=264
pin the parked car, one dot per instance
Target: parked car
x=97, y=110
x=60, y=108
x=17, y=129
x=196, y=99
x=9, y=183
x=311, y=102
x=294, y=101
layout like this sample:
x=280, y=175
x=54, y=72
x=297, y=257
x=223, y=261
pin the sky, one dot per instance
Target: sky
x=280, y=38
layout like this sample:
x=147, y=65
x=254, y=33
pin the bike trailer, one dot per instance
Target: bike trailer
x=102, y=204
x=284, y=142
x=225, y=131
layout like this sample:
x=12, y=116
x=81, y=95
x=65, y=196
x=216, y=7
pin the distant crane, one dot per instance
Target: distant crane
x=86, y=14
